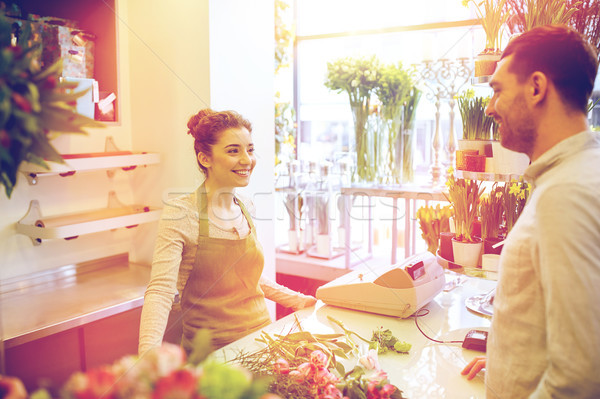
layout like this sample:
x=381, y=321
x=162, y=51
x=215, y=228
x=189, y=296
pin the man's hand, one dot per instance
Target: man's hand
x=474, y=367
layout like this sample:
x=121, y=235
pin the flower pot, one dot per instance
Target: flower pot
x=483, y=147
x=485, y=63
x=508, y=162
x=489, y=165
x=466, y=254
x=475, y=163
x=488, y=245
x=446, y=245
x=490, y=262
x=461, y=158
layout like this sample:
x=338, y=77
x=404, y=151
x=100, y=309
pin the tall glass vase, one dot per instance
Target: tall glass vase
x=364, y=170
x=391, y=121
x=408, y=170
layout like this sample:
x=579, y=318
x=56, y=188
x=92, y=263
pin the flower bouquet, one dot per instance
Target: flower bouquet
x=358, y=77
x=162, y=373
x=393, y=90
x=304, y=365
x=35, y=106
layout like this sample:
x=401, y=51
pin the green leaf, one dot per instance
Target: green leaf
x=44, y=150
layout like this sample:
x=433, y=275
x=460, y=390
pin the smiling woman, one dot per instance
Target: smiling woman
x=206, y=248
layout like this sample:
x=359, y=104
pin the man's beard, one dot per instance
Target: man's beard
x=517, y=130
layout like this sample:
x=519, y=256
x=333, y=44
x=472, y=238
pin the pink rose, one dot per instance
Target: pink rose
x=281, y=366
x=178, y=384
x=297, y=376
x=319, y=359
x=324, y=377
x=307, y=370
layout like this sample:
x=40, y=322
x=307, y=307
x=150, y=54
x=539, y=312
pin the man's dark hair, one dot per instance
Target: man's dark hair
x=563, y=55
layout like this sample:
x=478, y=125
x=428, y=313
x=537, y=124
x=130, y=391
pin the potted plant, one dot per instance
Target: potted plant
x=476, y=130
x=392, y=91
x=491, y=211
x=463, y=195
x=492, y=18
x=358, y=77
x=527, y=14
x=35, y=107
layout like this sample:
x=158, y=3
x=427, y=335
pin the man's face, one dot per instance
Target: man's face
x=510, y=109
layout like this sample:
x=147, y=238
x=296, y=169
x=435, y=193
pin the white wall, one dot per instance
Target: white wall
x=242, y=78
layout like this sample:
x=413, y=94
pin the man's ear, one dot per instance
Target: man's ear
x=538, y=87
x=204, y=160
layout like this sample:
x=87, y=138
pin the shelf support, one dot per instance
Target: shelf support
x=33, y=217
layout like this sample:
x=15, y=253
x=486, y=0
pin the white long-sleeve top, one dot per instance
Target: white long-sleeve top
x=173, y=260
x=544, y=340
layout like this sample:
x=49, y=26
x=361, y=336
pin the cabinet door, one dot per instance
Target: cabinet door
x=46, y=362
x=109, y=339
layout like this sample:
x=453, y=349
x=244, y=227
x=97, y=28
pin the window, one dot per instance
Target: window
x=393, y=30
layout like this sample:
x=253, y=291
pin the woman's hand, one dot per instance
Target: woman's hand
x=474, y=367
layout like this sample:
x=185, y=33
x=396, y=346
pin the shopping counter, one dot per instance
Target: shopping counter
x=431, y=369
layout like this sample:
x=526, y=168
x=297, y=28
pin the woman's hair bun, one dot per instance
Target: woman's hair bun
x=194, y=120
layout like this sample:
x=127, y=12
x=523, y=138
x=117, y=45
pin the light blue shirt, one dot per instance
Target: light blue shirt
x=545, y=335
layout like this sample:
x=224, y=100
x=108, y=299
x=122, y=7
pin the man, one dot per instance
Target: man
x=544, y=340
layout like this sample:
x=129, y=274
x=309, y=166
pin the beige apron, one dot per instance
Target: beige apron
x=222, y=292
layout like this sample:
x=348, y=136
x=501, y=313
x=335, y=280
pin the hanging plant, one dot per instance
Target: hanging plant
x=35, y=107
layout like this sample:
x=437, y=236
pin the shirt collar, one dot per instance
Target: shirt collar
x=564, y=149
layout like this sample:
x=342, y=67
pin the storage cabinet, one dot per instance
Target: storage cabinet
x=97, y=17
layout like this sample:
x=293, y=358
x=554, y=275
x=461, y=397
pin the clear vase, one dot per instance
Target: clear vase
x=405, y=172
x=360, y=114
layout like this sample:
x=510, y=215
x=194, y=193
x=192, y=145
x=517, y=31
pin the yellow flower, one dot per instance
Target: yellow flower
x=515, y=190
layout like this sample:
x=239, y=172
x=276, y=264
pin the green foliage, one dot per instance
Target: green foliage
x=493, y=16
x=284, y=36
x=384, y=341
x=358, y=77
x=491, y=210
x=285, y=131
x=410, y=108
x=34, y=106
x=224, y=381
x=531, y=13
x=464, y=196
x=476, y=124
x=394, y=86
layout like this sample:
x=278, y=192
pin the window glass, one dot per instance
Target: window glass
x=315, y=17
x=326, y=126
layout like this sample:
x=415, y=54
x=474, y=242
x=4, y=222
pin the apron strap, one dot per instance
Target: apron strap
x=202, y=205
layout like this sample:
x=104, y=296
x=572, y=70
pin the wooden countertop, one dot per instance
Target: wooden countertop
x=69, y=297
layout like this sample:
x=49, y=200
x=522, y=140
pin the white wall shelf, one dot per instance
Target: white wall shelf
x=125, y=160
x=70, y=226
x=465, y=174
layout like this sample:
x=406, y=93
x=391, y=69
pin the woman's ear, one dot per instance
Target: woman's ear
x=204, y=160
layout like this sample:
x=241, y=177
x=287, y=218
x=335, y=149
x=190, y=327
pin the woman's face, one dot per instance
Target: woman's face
x=232, y=159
